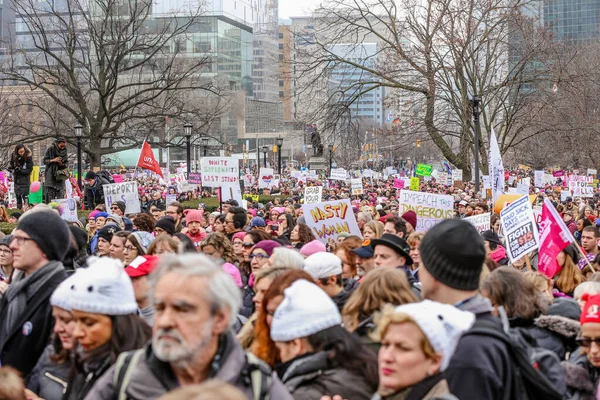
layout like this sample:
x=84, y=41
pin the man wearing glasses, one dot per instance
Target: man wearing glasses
x=118, y=208
x=235, y=221
x=40, y=241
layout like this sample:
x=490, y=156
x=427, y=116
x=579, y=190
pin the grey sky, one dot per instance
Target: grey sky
x=289, y=8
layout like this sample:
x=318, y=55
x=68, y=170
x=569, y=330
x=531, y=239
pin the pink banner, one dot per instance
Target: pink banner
x=118, y=178
x=558, y=173
x=554, y=238
x=398, y=184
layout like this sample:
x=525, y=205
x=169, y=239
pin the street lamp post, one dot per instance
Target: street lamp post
x=265, y=149
x=330, y=147
x=78, y=133
x=205, y=145
x=279, y=142
x=476, y=100
x=187, y=131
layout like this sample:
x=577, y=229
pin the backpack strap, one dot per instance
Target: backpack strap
x=123, y=371
x=260, y=376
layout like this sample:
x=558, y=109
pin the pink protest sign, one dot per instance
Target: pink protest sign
x=118, y=178
x=398, y=184
x=554, y=237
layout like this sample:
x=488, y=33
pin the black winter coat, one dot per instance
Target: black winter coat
x=93, y=195
x=51, y=153
x=23, y=348
x=48, y=379
x=21, y=168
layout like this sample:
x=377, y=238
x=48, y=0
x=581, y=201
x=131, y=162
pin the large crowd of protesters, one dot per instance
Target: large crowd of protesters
x=247, y=303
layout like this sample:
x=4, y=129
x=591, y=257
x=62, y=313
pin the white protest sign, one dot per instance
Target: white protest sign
x=328, y=219
x=549, y=179
x=538, y=179
x=522, y=188
x=457, y=175
x=231, y=191
x=313, y=194
x=442, y=178
x=338, y=174
x=357, y=186
x=430, y=208
x=170, y=198
x=219, y=171
x=265, y=178
x=526, y=181
x=578, y=186
x=127, y=192
x=487, y=182
x=481, y=222
x=520, y=229
x=591, y=171
x=68, y=211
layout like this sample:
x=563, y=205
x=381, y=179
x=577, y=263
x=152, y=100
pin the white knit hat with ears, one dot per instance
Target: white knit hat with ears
x=61, y=297
x=102, y=288
x=442, y=325
x=305, y=310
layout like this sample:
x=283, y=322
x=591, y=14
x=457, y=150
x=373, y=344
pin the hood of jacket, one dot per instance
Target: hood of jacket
x=562, y=326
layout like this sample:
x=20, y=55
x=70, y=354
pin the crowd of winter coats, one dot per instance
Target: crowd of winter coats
x=251, y=314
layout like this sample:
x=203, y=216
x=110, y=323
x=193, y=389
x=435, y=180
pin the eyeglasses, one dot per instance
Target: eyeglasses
x=114, y=207
x=247, y=245
x=129, y=248
x=229, y=221
x=257, y=256
x=587, y=342
x=20, y=239
x=5, y=251
x=170, y=212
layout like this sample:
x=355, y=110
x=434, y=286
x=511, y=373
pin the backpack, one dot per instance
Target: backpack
x=538, y=372
x=105, y=176
x=258, y=372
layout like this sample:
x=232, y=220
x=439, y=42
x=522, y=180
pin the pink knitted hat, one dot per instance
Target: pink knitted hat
x=234, y=273
x=312, y=247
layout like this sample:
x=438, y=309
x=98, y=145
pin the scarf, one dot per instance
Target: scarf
x=22, y=289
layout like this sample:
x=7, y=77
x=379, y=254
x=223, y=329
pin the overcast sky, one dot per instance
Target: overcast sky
x=295, y=8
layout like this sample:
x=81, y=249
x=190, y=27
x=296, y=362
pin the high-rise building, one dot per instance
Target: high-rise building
x=286, y=70
x=573, y=20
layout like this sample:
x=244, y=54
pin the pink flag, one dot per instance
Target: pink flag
x=554, y=237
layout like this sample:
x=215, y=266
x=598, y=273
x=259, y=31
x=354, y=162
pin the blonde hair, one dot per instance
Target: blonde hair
x=570, y=276
x=540, y=281
x=415, y=238
x=376, y=227
x=12, y=387
x=389, y=316
x=379, y=287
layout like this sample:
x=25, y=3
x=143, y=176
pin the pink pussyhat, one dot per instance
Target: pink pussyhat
x=312, y=247
x=234, y=273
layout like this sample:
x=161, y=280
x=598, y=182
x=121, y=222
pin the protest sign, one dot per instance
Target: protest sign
x=457, y=175
x=117, y=178
x=194, y=178
x=554, y=237
x=68, y=209
x=487, y=182
x=170, y=198
x=357, y=186
x=338, y=174
x=265, y=178
x=522, y=188
x=520, y=229
x=430, y=208
x=526, y=181
x=424, y=170
x=579, y=186
x=252, y=197
x=591, y=171
x=328, y=219
x=481, y=222
x=219, y=171
x=414, y=184
x=127, y=192
x=559, y=173
x=313, y=194
x=231, y=191
x=398, y=183
x=538, y=179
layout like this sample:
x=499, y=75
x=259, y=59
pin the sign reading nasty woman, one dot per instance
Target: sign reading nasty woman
x=431, y=209
x=328, y=219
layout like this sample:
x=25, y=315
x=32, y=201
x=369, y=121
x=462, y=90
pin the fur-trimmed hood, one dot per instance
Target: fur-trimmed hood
x=578, y=379
x=562, y=326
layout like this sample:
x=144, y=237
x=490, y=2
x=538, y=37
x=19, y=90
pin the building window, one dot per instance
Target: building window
x=281, y=57
x=281, y=94
x=280, y=83
x=280, y=46
x=280, y=35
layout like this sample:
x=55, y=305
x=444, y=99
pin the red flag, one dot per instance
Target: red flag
x=147, y=160
x=554, y=238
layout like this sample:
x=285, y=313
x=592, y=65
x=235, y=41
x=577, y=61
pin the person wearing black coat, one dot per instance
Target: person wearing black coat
x=55, y=158
x=40, y=240
x=21, y=166
x=93, y=193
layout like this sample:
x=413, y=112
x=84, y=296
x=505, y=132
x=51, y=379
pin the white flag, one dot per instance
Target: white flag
x=496, y=168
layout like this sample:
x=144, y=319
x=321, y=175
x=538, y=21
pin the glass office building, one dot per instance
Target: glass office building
x=573, y=20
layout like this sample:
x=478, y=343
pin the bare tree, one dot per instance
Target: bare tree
x=431, y=58
x=112, y=66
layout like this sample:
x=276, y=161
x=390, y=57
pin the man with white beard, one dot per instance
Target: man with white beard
x=196, y=303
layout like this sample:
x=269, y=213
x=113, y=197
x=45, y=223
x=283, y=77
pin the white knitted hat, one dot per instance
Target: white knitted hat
x=442, y=324
x=323, y=265
x=61, y=297
x=102, y=288
x=304, y=311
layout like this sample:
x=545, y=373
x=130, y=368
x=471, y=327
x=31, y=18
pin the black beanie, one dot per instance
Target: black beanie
x=167, y=224
x=90, y=175
x=453, y=253
x=107, y=231
x=121, y=205
x=81, y=236
x=49, y=232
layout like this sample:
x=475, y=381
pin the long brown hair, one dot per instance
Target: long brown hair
x=570, y=276
x=380, y=286
x=305, y=234
x=347, y=246
x=505, y=286
x=262, y=346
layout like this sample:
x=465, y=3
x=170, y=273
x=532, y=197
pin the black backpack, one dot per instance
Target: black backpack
x=538, y=372
x=105, y=177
